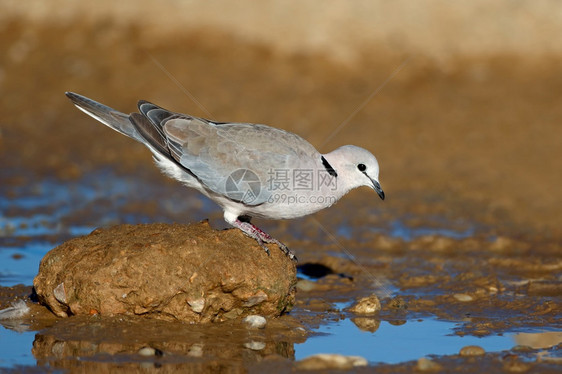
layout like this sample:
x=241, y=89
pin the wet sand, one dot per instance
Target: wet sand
x=468, y=150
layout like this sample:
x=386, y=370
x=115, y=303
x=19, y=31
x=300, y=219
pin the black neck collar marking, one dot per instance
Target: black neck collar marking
x=329, y=167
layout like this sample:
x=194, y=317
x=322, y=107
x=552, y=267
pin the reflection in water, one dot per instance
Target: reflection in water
x=98, y=343
x=387, y=343
x=399, y=230
x=538, y=340
x=104, y=342
x=367, y=324
x=15, y=346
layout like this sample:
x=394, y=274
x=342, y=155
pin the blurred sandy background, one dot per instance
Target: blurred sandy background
x=469, y=126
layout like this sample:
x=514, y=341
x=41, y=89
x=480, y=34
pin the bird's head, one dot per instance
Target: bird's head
x=356, y=167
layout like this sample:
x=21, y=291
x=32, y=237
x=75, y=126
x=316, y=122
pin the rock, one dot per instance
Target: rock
x=149, y=352
x=305, y=285
x=545, y=288
x=367, y=305
x=425, y=364
x=189, y=273
x=398, y=302
x=501, y=244
x=255, y=345
x=197, y=305
x=472, y=350
x=462, y=297
x=196, y=350
x=326, y=361
x=258, y=298
x=512, y=363
x=255, y=322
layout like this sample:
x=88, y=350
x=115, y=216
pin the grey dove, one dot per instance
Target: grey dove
x=249, y=170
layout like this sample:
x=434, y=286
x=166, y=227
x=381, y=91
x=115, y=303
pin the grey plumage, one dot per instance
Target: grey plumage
x=213, y=157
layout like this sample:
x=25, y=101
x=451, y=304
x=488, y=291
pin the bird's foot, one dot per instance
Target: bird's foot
x=262, y=237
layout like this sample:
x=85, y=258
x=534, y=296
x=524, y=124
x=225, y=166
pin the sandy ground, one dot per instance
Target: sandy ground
x=481, y=128
x=466, y=130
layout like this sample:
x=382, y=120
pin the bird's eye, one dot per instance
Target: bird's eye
x=361, y=167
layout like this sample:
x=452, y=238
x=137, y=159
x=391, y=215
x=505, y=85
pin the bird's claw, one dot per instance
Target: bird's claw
x=262, y=238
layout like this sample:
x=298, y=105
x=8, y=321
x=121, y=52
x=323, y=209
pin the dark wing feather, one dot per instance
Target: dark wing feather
x=150, y=123
x=151, y=133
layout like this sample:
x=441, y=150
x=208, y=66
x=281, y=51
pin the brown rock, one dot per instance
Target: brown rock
x=367, y=305
x=189, y=273
x=330, y=361
x=426, y=364
x=472, y=350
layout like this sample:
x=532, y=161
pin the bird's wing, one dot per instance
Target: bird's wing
x=236, y=160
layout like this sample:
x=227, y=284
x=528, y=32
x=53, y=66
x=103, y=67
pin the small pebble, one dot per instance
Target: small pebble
x=398, y=303
x=513, y=364
x=367, y=305
x=425, y=364
x=258, y=298
x=149, y=352
x=60, y=293
x=522, y=348
x=326, y=361
x=197, y=305
x=472, y=350
x=255, y=345
x=196, y=350
x=501, y=244
x=463, y=297
x=305, y=285
x=255, y=321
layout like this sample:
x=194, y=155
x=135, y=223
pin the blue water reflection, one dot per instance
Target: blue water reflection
x=15, y=348
x=394, y=344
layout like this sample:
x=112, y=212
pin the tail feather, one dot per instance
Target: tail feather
x=145, y=127
x=118, y=121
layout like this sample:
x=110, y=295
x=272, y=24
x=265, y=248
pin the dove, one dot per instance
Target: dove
x=249, y=170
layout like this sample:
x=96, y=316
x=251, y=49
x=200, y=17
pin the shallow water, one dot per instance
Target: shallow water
x=389, y=344
x=394, y=344
x=37, y=218
x=16, y=348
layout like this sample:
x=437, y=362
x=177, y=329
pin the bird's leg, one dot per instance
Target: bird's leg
x=260, y=236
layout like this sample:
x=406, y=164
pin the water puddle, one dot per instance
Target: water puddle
x=20, y=265
x=390, y=343
x=393, y=344
x=399, y=230
x=16, y=348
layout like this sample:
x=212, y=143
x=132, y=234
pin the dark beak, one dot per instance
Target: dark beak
x=377, y=187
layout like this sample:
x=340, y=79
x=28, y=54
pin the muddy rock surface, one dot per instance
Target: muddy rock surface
x=189, y=273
